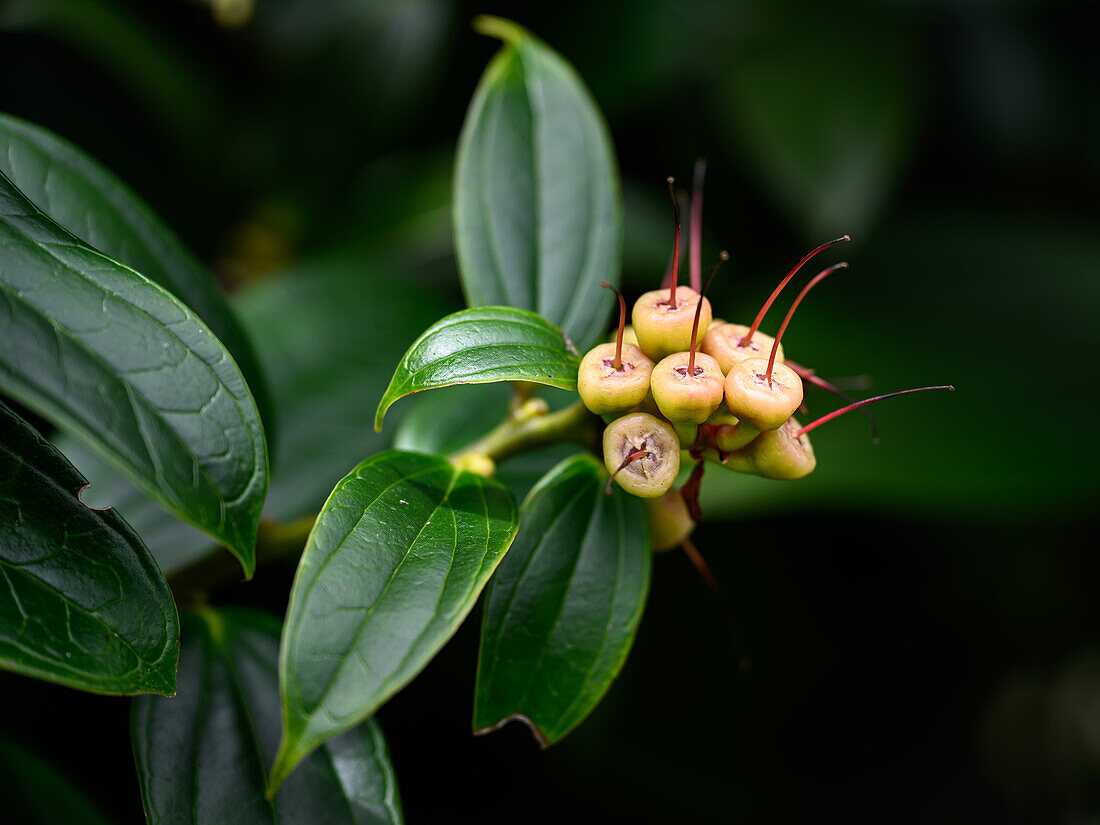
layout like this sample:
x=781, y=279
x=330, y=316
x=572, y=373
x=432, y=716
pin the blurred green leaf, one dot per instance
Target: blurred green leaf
x=483, y=345
x=396, y=560
x=825, y=112
x=202, y=757
x=84, y=604
x=91, y=203
x=328, y=333
x=119, y=362
x=538, y=210
x=165, y=81
x=561, y=613
x=36, y=794
x=980, y=302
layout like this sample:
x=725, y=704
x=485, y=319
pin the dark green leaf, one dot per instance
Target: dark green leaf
x=825, y=115
x=537, y=206
x=82, y=602
x=115, y=359
x=203, y=756
x=91, y=203
x=562, y=611
x=397, y=559
x=328, y=333
x=480, y=346
x=174, y=544
x=36, y=794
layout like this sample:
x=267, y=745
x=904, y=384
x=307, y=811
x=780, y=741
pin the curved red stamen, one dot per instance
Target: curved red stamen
x=767, y=304
x=813, y=425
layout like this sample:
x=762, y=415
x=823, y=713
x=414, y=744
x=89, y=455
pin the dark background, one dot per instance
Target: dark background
x=919, y=614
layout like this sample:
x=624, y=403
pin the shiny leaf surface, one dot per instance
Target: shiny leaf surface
x=481, y=346
x=82, y=602
x=562, y=611
x=396, y=560
x=91, y=203
x=537, y=204
x=116, y=360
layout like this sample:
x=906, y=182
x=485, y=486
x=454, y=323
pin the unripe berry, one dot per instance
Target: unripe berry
x=605, y=388
x=684, y=394
x=663, y=328
x=763, y=401
x=642, y=454
x=669, y=521
x=781, y=454
x=614, y=378
x=723, y=343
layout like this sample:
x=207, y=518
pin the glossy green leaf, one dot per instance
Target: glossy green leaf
x=91, y=203
x=825, y=116
x=480, y=346
x=108, y=355
x=202, y=757
x=562, y=611
x=35, y=793
x=82, y=602
x=396, y=560
x=537, y=204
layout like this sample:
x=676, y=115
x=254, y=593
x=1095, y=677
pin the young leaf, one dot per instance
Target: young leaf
x=537, y=204
x=91, y=203
x=396, y=560
x=562, y=611
x=35, y=793
x=203, y=756
x=82, y=602
x=480, y=346
x=115, y=359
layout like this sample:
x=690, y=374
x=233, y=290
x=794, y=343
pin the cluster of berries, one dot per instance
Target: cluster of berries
x=728, y=396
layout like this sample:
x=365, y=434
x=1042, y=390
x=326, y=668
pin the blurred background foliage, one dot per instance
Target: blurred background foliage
x=920, y=614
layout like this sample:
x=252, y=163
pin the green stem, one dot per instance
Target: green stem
x=521, y=432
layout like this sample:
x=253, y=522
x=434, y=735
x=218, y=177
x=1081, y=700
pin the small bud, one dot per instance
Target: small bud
x=476, y=463
x=669, y=521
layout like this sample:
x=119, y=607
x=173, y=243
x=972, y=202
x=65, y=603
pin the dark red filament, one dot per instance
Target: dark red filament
x=723, y=256
x=618, y=363
x=767, y=304
x=821, y=276
x=634, y=456
x=830, y=416
x=811, y=377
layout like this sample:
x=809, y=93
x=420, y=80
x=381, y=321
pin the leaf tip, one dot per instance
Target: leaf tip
x=544, y=743
x=502, y=29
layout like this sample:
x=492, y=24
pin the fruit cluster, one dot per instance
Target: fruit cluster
x=727, y=396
